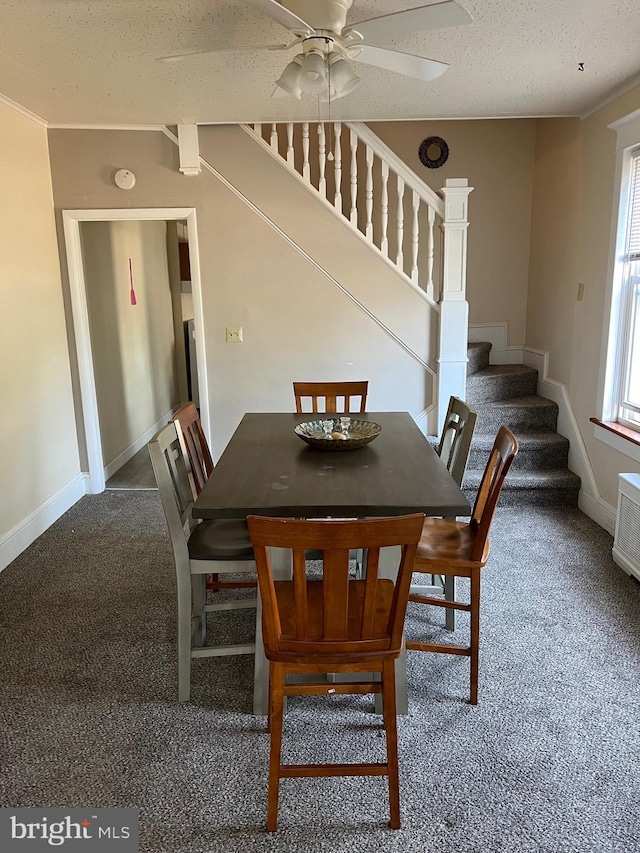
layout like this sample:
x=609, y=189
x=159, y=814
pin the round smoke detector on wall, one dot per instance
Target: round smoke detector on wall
x=124, y=179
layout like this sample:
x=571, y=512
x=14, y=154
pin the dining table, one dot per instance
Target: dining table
x=266, y=469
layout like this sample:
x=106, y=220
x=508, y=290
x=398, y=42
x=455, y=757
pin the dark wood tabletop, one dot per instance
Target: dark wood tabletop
x=267, y=470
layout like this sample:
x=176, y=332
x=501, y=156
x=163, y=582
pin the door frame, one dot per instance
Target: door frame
x=71, y=220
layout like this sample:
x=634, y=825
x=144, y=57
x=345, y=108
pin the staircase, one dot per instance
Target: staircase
x=506, y=394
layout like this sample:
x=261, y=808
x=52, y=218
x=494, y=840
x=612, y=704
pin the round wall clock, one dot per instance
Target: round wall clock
x=433, y=152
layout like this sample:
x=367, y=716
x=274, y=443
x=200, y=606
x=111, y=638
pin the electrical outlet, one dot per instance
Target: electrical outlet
x=234, y=334
x=580, y=291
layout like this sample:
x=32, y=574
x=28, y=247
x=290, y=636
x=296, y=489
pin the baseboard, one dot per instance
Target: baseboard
x=496, y=335
x=14, y=542
x=599, y=510
x=138, y=444
x=589, y=499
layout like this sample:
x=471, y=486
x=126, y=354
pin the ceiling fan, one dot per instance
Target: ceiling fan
x=328, y=45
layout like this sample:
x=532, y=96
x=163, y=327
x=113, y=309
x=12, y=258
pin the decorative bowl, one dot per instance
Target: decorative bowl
x=338, y=433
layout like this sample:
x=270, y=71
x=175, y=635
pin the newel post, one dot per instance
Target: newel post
x=454, y=308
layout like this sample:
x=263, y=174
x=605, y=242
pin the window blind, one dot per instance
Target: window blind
x=633, y=244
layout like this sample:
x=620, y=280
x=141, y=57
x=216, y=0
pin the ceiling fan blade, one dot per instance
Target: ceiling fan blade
x=402, y=63
x=178, y=57
x=273, y=9
x=446, y=14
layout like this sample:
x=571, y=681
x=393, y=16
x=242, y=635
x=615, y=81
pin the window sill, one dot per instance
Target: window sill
x=620, y=438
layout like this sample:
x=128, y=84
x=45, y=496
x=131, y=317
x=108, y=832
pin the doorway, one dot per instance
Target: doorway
x=87, y=347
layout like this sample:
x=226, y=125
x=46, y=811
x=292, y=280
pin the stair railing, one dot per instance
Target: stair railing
x=372, y=188
x=421, y=234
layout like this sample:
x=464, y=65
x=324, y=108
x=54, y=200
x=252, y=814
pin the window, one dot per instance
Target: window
x=628, y=343
x=618, y=422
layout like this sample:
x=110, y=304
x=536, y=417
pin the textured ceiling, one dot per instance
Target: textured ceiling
x=95, y=61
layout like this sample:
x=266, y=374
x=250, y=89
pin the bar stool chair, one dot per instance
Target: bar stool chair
x=453, y=448
x=194, y=444
x=336, y=396
x=460, y=549
x=196, y=453
x=220, y=545
x=333, y=625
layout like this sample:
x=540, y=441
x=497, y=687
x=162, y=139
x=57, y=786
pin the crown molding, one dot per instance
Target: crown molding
x=153, y=127
x=23, y=110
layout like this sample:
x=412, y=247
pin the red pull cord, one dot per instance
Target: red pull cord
x=132, y=293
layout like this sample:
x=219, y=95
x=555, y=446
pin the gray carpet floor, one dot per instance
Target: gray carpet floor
x=548, y=761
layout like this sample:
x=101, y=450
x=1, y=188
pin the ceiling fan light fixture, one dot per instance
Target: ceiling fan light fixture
x=290, y=78
x=313, y=74
x=343, y=78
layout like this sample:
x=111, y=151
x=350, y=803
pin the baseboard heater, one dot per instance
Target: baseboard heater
x=626, y=541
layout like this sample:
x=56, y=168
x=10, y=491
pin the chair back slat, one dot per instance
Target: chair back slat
x=455, y=439
x=173, y=484
x=335, y=595
x=336, y=396
x=370, y=582
x=505, y=448
x=327, y=605
x=192, y=437
x=300, y=589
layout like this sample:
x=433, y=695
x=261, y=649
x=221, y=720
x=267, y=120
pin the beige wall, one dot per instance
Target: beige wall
x=133, y=345
x=497, y=158
x=544, y=185
x=39, y=453
x=554, y=272
x=297, y=325
x=574, y=188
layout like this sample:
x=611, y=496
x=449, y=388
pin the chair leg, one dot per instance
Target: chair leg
x=184, y=641
x=199, y=585
x=391, y=730
x=276, y=678
x=450, y=595
x=475, y=636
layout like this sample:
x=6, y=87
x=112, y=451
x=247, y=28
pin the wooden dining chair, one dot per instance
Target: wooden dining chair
x=196, y=453
x=455, y=438
x=453, y=448
x=461, y=549
x=333, y=625
x=194, y=444
x=336, y=396
x=219, y=545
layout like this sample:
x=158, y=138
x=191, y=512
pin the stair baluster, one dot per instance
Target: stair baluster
x=353, y=216
x=337, y=165
x=400, y=224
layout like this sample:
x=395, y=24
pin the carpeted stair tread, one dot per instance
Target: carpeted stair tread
x=538, y=450
x=531, y=488
x=558, y=479
x=506, y=394
x=521, y=414
x=478, y=356
x=500, y=382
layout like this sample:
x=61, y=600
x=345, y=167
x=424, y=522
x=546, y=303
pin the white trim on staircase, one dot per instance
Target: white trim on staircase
x=353, y=228
x=497, y=335
x=601, y=511
x=589, y=499
x=409, y=177
x=27, y=530
x=262, y=215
